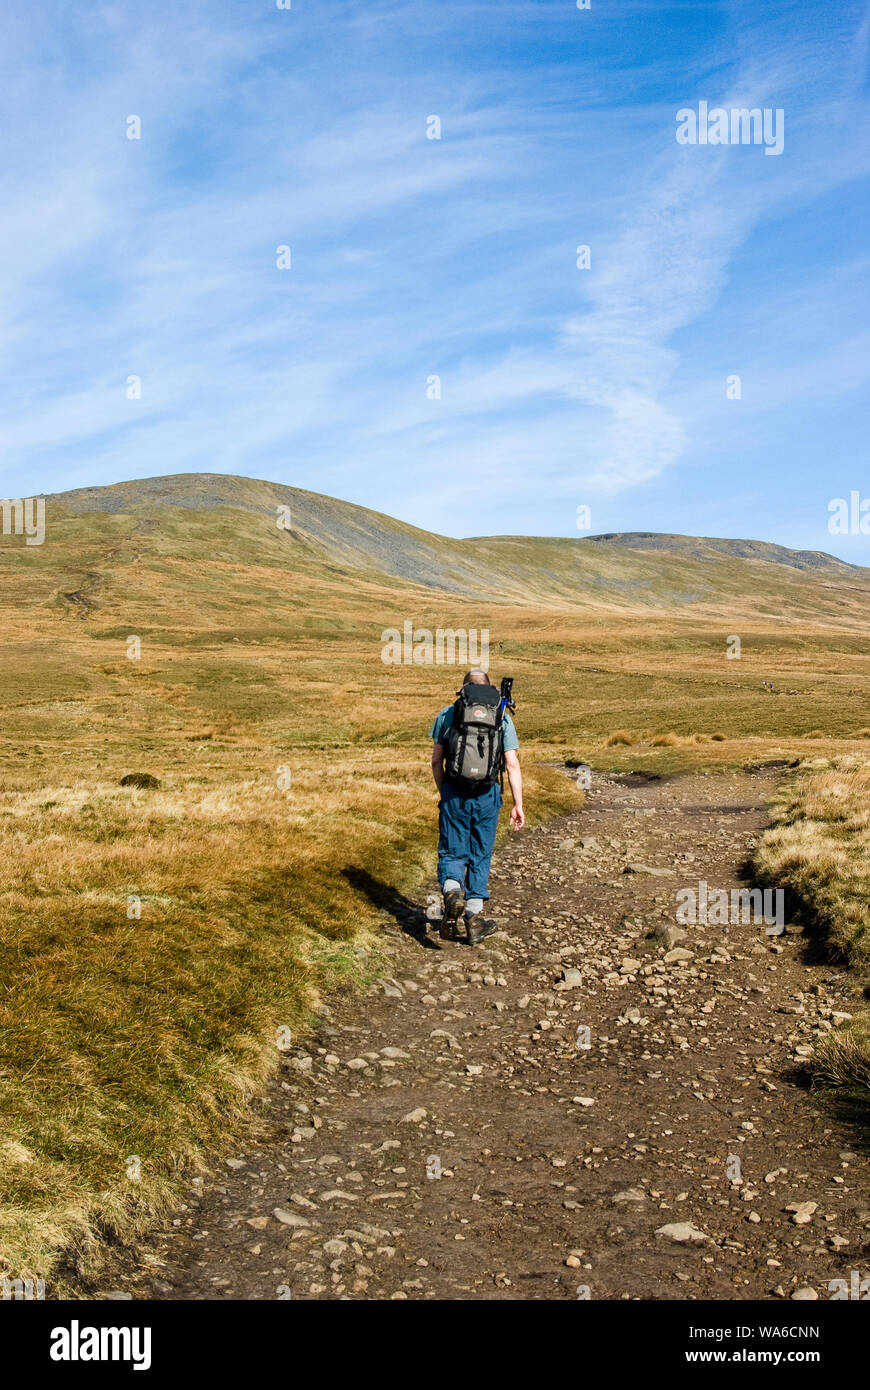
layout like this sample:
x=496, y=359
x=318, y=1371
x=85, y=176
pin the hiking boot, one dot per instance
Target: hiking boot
x=454, y=907
x=480, y=927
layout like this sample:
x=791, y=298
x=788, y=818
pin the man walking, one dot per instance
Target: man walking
x=472, y=741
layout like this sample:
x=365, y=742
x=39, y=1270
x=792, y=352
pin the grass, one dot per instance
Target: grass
x=841, y=1066
x=144, y=1037
x=818, y=849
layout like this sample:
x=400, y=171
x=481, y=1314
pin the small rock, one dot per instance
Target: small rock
x=802, y=1212
x=671, y=936
x=683, y=1233
x=287, y=1218
x=414, y=1117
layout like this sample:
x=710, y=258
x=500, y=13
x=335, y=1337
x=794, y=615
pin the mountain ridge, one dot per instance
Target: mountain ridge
x=273, y=534
x=226, y=492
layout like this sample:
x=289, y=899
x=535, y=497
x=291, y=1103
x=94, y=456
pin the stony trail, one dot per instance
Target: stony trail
x=521, y=1120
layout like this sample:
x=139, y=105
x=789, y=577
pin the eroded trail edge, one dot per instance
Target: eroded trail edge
x=520, y=1120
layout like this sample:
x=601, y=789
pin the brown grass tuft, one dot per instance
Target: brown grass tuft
x=841, y=1063
x=818, y=849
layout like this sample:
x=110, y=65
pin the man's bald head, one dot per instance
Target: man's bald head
x=475, y=678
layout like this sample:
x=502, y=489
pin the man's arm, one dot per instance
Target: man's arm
x=515, y=778
x=438, y=764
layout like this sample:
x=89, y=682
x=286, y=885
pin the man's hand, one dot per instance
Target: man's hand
x=515, y=778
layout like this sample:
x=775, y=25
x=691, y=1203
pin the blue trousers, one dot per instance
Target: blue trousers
x=466, y=835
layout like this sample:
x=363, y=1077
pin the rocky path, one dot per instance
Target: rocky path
x=585, y=1106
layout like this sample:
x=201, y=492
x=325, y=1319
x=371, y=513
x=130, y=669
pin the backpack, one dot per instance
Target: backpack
x=474, y=750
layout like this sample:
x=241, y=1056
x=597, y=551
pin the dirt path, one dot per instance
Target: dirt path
x=558, y=1162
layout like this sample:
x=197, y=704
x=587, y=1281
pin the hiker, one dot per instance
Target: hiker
x=473, y=740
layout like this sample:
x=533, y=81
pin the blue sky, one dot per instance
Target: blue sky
x=456, y=257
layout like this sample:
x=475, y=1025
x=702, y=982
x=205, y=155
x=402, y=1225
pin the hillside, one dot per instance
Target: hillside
x=240, y=621
x=225, y=518
x=709, y=547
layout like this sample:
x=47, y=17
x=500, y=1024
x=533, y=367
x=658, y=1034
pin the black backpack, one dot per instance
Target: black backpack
x=474, y=751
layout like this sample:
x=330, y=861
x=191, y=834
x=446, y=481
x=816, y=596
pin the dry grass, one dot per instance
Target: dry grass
x=672, y=740
x=620, y=738
x=841, y=1064
x=819, y=850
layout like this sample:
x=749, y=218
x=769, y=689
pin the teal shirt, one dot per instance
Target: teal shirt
x=444, y=720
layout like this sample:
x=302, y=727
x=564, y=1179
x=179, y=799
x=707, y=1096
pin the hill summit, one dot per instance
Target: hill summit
x=212, y=516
